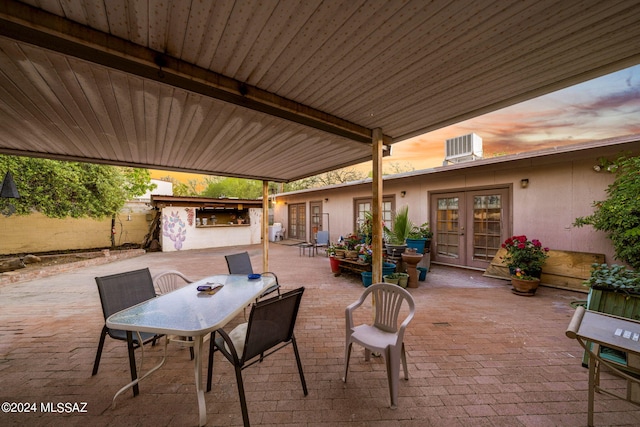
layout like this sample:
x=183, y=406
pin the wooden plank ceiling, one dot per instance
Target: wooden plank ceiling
x=281, y=90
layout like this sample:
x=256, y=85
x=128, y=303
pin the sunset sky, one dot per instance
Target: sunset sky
x=598, y=109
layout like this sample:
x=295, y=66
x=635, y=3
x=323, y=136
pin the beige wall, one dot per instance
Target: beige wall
x=559, y=191
x=37, y=233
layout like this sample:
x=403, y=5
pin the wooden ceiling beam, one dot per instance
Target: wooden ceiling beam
x=30, y=25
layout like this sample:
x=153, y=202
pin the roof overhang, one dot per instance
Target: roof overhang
x=282, y=90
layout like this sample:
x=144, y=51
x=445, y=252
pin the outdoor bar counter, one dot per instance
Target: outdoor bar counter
x=197, y=223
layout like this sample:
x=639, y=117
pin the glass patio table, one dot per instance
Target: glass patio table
x=191, y=313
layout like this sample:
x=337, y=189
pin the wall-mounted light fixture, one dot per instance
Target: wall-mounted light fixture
x=524, y=183
x=403, y=193
x=609, y=168
x=326, y=199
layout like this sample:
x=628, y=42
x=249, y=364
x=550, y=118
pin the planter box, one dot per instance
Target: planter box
x=618, y=304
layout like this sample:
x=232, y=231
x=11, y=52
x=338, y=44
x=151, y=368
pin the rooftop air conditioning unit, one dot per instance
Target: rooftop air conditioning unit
x=463, y=148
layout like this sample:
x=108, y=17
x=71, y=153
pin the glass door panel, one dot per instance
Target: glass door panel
x=470, y=226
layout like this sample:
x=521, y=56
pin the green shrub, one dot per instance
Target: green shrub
x=619, y=215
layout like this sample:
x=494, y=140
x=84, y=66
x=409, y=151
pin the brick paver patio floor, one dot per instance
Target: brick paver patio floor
x=478, y=356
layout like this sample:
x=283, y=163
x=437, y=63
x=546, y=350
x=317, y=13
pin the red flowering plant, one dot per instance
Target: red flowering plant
x=524, y=257
x=351, y=241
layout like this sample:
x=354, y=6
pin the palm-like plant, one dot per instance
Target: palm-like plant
x=402, y=226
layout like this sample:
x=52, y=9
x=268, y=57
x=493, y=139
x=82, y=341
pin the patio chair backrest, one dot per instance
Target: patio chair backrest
x=239, y=263
x=123, y=290
x=322, y=237
x=271, y=322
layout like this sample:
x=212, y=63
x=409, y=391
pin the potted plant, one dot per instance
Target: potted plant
x=392, y=278
x=351, y=242
x=524, y=259
x=420, y=238
x=365, y=230
x=333, y=260
x=397, y=236
x=400, y=279
x=614, y=289
x=338, y=250
x=364, y=253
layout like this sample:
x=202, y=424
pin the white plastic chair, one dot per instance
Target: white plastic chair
x=169, y=281
x=383, y=336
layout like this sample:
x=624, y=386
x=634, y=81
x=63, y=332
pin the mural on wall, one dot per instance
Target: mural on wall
x=190, y=214
x=175, y=229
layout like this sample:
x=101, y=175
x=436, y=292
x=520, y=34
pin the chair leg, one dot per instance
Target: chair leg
x=393, y=373
x=96, y=363
x=299, y=362
x=347, y=356
x=403, y=355
x=132, y=362
x=243, y=399
x=212, y=349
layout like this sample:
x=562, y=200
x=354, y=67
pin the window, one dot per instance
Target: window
x=364, y=205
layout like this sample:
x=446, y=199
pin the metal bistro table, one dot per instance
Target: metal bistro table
x=187, y=312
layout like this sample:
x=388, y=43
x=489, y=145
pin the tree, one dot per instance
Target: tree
x=619, y=215
x=60, y=189
x=233, y=187
x=180, y=188
x=397, y=167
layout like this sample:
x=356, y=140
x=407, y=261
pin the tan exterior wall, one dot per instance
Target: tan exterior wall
x=560, y=190
x=37, y=233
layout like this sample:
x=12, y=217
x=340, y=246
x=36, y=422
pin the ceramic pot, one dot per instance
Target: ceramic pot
x=366, y=278
x=335, y=264
x=393, y=280
x=524, y=287
x=403, y=279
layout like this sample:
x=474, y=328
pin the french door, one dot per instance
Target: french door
x=315, y=209
x=297, y=222
x=469, y=227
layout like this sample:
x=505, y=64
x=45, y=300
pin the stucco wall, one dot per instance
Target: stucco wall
x=558, y=192
x=37, y=233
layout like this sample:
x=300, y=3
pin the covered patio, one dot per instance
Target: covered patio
x=478, y=356
x=283, y=90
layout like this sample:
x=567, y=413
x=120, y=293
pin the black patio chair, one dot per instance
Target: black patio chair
x=269, y=329
x=241, y=264
x=117, y=292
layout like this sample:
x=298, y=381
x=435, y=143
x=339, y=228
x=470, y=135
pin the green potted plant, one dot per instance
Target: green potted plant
x=392, y=278
x=613, y=289
x=397, y=236
x=525, y=259
x=420, y=238
x=334, y=262
x=400, y=279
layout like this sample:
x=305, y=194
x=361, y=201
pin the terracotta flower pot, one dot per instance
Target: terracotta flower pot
x=524, y=287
